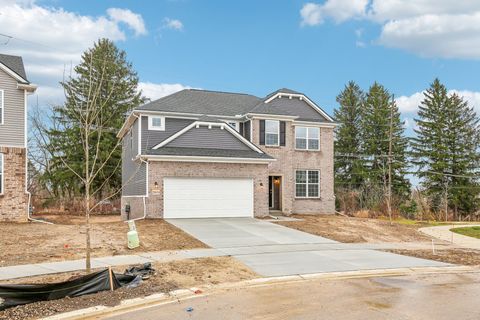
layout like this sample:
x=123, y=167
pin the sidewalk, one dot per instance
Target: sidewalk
x=29, y=270
x=444, y=233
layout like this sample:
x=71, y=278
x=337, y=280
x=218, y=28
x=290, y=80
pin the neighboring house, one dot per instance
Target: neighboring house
x=14, y=88
x=199, y=153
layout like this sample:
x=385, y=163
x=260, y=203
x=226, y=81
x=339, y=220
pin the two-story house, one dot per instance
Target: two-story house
x=199, y=153
x=14, y=88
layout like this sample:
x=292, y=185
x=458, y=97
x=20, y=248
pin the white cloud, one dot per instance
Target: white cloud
x=409, y=104
x=429, y=28
x=155, y=91
x=446, y=36
x=131, y=19
x=339, y=10
x=51, y=41
x=174, y=24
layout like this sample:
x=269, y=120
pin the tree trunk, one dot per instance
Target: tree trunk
x=87, y=233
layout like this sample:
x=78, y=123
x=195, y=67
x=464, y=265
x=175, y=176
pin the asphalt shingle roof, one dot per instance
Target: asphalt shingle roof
x=204, y=102
x=14, y=63
x=202, y=152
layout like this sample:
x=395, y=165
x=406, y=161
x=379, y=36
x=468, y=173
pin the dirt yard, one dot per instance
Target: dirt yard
x=354, y=230
x=456, y=256
x=33, y=242
x=168, y=276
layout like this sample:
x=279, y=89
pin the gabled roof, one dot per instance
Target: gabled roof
x=15, y=64
x=203, y=102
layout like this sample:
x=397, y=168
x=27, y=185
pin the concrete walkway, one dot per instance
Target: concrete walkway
x=29, y=270
x=307, y=253
x=444, y=233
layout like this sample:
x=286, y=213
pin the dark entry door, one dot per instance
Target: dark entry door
x=274, y=194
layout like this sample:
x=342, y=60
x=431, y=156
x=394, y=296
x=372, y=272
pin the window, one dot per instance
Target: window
x=307, y=138
x=307, y=184
x=233, y=124
x=272, y=132
x=2, y=98
x=1, y=173
x=156, y=123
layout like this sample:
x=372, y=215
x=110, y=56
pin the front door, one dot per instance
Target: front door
x=274, y=192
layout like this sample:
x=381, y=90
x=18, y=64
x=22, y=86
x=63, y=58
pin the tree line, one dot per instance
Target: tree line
x=374, y=158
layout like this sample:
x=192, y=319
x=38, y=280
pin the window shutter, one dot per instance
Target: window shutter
x=262, y=132
x=240, y=129
x=247, y=130
x=282, y=133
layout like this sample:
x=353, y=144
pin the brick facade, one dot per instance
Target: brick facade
x=14, y=200
x=289, y=160
x=157, y=170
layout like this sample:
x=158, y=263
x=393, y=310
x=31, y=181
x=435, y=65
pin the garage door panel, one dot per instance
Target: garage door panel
x=208, y=197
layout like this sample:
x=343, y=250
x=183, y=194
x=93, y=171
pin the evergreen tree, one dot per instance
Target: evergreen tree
x=445, y=149
x=379, y=112
x=106, y=81
x=348, y=165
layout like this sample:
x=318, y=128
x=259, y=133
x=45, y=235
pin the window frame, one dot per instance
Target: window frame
x=307, y=138
x=156, y=128
x=306, y=183
x=277, y=133
x=229, y=123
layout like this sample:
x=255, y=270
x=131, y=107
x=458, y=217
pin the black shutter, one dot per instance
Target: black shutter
x=282, y=133
x=247, y=130
x=262, y=132
x=241, y=129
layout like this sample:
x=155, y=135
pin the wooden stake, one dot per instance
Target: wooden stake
x=110, y=276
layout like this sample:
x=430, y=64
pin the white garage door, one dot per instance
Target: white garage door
x=207, y=197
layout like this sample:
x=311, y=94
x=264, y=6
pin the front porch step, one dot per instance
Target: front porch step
x=276, y=213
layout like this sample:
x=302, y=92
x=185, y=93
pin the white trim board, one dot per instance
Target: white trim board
x=206, y=159
x=301, y=97
x=209, y=124
x=12, y=73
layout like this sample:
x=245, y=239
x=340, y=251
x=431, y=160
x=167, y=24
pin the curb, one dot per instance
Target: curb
x=159, y=299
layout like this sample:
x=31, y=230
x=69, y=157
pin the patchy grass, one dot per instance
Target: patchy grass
x=473, y=232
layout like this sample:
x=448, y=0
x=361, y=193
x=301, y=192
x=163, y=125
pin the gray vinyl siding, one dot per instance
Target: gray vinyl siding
x=151, y=138
x=203, y=137
x=134, y=173
x=12, y=131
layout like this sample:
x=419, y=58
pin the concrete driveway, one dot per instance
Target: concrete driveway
x=273, y=250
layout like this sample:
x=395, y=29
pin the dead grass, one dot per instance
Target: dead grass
x=455, y=256
x=355, y=230
x=169, y=276
x=33, y=242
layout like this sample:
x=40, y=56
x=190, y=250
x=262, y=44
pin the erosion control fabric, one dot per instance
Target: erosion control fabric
x=17, y=294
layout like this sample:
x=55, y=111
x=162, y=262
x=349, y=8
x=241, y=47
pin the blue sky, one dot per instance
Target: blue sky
x=258, y=46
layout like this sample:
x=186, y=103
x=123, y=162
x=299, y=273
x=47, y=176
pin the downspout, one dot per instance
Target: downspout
x=29, y=217
x=146, y=169
x=145, y=196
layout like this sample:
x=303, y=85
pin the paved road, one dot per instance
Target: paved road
x=273, y=250
x=418, y=297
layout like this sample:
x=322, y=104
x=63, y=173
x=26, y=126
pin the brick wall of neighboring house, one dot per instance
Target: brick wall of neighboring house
x=289, y=160
x=14, y=200
x=158, y=170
